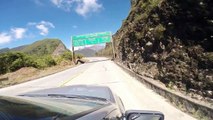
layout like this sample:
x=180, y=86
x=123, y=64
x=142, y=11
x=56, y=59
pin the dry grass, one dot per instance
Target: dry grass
x=29, y=73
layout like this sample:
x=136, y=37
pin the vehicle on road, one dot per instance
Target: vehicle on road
x=81, y=102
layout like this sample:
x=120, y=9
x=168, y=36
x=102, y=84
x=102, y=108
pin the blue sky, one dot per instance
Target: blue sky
x=26, y=21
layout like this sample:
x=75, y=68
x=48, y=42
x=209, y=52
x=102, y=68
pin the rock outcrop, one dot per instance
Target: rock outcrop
x=172, y=41
x=59, y=50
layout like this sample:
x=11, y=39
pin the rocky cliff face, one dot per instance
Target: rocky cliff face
x=170, y=40
x=59, y=50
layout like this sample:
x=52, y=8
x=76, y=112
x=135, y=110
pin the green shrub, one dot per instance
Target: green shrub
x=30, y=61
x=17, y=64
x=67, y=55
x=79, y=56
x=3, y=64
x=44, y=61
x=40, y=63
x=23, y=60
x=13, y=61
x=49, y=61
x=58, y=59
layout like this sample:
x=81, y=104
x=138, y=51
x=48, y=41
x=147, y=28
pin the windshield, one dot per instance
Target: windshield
x=37, y=109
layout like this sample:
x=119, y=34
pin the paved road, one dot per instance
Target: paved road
x=104, y=72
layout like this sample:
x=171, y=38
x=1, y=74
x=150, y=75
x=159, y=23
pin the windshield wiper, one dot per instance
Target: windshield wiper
x=77, y=96
x=65, y=96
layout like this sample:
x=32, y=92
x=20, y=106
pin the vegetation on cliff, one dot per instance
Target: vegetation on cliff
x=39, y=48
x=170, y=40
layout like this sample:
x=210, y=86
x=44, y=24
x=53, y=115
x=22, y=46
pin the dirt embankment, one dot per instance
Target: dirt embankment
x=29, y=73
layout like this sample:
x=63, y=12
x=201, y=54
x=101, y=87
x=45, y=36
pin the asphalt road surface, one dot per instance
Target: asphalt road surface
x=101, y=71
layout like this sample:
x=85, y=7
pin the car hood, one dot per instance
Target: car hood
x=34, y=108
x=78, y=90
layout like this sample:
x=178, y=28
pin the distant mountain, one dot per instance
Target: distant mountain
x=19, y=48
x=96, y=47
x=90, y=51
x=42, y=47
x=87, y=52
x=4, y=50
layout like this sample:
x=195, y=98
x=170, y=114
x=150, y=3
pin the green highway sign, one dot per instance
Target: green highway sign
x=79, y=43
x=91, y=39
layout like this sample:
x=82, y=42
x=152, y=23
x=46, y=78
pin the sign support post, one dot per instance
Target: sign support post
x=113, y=47
x=73, y=51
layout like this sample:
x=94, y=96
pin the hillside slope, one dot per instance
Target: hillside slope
x=40, y=48
x=44, y=47
x=19, y=48
x=170, y=40
x=40, y=54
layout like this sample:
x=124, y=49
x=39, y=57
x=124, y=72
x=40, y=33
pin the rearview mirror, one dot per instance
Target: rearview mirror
x=144, y=115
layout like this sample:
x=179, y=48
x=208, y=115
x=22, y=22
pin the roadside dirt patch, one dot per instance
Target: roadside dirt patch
x=30, y=73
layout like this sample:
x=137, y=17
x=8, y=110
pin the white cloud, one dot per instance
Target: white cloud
x=5, y=38
x=13, y=34
x=46, y=23
x=63, y=4
x=18, y=33
x=42, y=26
x=56, y=2
x=43, y=29
x=82, y=7
x=87, y=6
